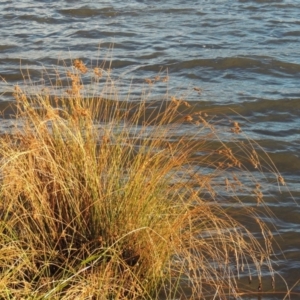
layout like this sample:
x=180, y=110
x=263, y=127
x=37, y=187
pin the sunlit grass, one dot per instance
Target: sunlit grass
x=102, y=199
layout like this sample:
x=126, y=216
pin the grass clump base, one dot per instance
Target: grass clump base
x=101, y=199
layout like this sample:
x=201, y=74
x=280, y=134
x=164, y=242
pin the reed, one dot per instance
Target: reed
x=101, y=199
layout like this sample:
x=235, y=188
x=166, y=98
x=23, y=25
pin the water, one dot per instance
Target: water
x=243, y=55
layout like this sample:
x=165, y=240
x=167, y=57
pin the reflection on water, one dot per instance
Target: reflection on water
x=238, y=58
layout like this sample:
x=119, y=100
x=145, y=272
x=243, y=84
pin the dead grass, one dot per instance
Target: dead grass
x=101, y=199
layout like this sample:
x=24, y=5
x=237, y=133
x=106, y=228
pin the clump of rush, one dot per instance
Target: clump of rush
x=102, y=199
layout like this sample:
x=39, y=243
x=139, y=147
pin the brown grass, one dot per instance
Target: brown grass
x=102, y=199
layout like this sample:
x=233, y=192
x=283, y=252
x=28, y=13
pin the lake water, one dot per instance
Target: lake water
x=243, y=55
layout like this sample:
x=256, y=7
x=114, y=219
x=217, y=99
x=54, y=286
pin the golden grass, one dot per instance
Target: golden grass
x=100, y=199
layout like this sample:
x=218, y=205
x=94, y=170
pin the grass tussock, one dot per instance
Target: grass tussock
x=101, y=199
